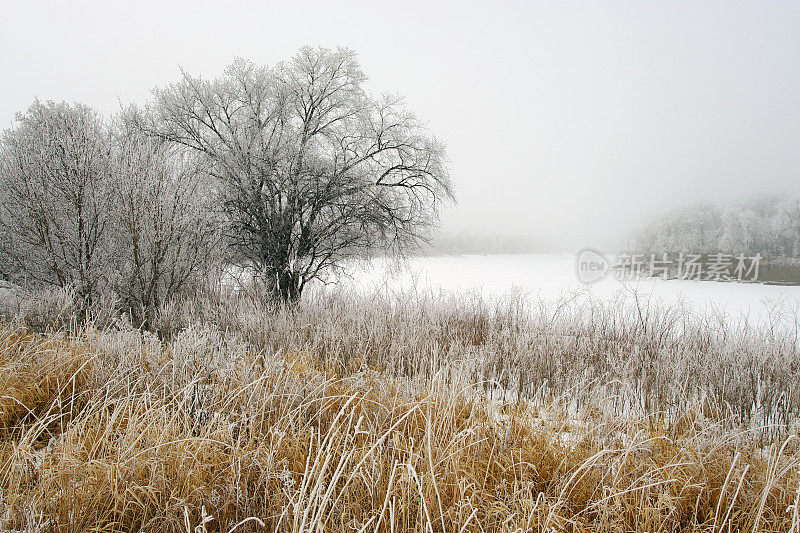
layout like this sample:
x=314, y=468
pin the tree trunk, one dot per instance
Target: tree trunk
x=288, y=287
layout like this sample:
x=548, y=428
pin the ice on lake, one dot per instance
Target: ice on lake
x=554, y=276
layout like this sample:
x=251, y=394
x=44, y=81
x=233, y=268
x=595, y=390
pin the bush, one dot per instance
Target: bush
x=60, y=309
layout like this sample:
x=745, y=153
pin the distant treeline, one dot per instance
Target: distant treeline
x=466, y=243
x=766, y=225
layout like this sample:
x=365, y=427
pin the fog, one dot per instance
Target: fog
x=568, y=120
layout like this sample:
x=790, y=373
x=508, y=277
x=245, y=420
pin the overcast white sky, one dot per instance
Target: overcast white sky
x=570, y=120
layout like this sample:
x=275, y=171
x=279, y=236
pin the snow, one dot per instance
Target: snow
x=554, y=276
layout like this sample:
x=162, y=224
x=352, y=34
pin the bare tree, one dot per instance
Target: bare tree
x=768, y=225
x=54, y=168
x=311, y=169
x=164, y=233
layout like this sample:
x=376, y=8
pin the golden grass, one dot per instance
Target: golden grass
x=116, y=431
x=41, y=379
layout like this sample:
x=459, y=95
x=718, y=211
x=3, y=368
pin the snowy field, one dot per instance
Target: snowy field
x=554, y=277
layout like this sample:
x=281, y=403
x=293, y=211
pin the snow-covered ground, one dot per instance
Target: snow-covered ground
x=554, y=276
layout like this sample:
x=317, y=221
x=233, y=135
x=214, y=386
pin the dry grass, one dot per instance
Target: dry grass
x=392, y=415
x=640, y=358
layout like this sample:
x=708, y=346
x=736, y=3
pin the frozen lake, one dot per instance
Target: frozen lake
x=554, y=276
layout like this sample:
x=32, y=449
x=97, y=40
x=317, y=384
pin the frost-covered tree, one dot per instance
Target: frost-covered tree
x=767, y=225
x=310, y=168
x=740, y=229
x=689, y=229
x=91, y=207
x=164, y=233
x=54, y=196
x=786, y=227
